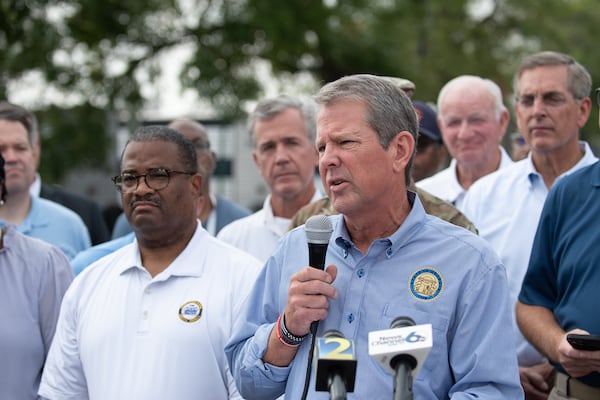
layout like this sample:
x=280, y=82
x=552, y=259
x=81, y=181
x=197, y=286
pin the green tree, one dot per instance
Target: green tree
x=93, y=53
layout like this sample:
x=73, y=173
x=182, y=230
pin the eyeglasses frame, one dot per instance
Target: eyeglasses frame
x=137, y=177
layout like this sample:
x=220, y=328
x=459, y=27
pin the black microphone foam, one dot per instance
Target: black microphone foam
x=401, y=322
x=318, y=230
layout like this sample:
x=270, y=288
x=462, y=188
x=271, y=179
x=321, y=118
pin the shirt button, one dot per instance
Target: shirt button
x=389, y=252
x=360, y=273
x=350, y=318
x=145, y=314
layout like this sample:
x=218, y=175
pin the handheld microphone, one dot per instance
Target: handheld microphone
x=336, y=365
x=318, y=230
x=401, y=350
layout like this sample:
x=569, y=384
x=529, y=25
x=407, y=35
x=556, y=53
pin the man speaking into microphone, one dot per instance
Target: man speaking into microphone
x=385, y=258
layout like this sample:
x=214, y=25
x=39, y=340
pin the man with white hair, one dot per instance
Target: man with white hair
x=473, y=121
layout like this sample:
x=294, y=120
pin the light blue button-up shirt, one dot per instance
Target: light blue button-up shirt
x=88, y=256
x=57, y=225
x=505, y=207
x=473, y=352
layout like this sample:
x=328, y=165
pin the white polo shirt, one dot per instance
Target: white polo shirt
x=125, y=335
x=259, y=233
x=505, y=207
x=445, y=184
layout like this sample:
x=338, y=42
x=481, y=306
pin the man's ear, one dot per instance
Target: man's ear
x=504, y=121
x=37, y=152
x=213, y=157
x=403, y=148
x=197, y=184
x=585, y=108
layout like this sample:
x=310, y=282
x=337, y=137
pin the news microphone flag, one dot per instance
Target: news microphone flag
x=335, y=355
x=415, y=341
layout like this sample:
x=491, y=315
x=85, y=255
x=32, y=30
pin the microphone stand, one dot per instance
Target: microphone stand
x=403, y=366
x=337, y=388
x=403, y=382
x=313, y=330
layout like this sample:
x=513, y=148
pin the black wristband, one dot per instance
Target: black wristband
x=288, y=337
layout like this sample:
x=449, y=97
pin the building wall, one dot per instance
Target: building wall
x=230, y=142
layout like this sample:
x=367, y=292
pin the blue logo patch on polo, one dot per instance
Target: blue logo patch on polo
x=426, y=284
x=190, y=311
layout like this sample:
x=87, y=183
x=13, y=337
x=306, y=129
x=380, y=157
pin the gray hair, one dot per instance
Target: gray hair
x=150, y=133
x=579, y=81
x=465, y=80
x=389, y=110
x=15, y=113
x=267, y=109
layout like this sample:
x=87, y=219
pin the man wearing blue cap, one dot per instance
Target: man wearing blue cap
x=431, y=155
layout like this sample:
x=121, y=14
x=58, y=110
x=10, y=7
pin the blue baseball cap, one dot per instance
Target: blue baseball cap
x=428, y=125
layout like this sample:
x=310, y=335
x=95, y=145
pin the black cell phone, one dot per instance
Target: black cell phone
x=584, y=342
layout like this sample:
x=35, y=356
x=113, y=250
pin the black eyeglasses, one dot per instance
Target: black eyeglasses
x=598, y=96
x=549, y=99
x=155, y=178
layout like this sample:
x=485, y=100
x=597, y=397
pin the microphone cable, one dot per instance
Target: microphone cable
x=311, y=352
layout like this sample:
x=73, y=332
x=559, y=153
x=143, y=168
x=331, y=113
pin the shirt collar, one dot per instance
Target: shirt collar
x=413, y=221
x=596, y=175
x=190, y=262
x=587, y=159
x=458, y=191
x=35, y=218
x=8, y=236
x=280, y=227
x=36, y=187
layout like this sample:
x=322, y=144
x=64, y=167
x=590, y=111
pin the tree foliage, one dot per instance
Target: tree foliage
x=93, y=54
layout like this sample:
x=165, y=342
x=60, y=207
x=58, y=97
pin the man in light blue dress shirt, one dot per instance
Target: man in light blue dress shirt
x=553, y=104
x=386, y=258
x=36, y=217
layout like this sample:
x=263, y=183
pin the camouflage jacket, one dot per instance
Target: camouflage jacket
x=433, y=205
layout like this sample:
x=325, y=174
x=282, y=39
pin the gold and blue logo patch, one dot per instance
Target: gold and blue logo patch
x=190, y=311
x=426, y=284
